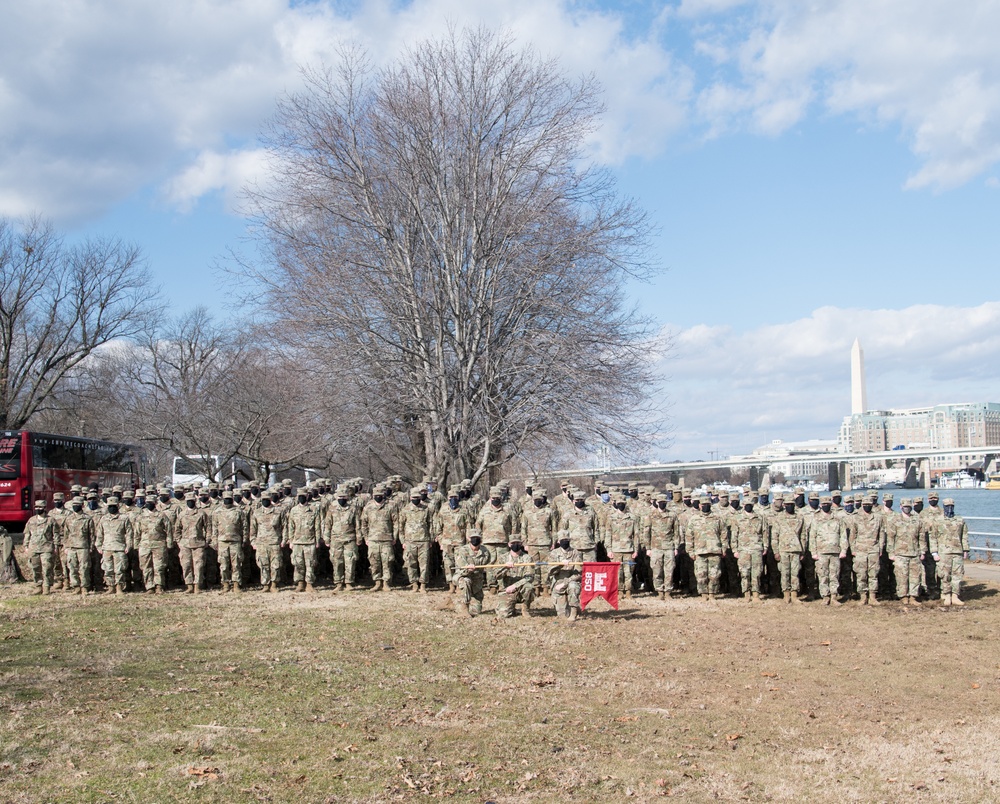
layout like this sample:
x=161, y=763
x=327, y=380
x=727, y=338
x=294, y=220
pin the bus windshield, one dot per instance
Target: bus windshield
x=10, y=456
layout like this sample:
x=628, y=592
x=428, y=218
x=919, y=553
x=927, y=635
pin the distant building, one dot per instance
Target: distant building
x=798, y=460
x=954, y=426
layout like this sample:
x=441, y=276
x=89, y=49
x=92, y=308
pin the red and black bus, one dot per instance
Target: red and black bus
x=34, y=466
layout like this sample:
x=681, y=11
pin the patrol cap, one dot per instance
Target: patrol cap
x=227, y=495
x=813, y=495
x=302, y=491
x=190, y=496
x=286, y=483
x=933, y=495
x=465, y=484
x=662, y=497
x=887, y=497
x=579, y=495
x=76, y=488
x=799, y=490
x=538, y=494
x=415, y=493
x=454, y=491
x=529, y=483
x=77, y=500
x=836, y=493
x=116, y=489
x=112, y=500
x=905, y=501
x=947, y=501
x=826, y=498
x=128, y=494
x=39, y=503
x=723, y=495
x=858, y=497
x=58, y=496
x=91, y=495
x=342, y=492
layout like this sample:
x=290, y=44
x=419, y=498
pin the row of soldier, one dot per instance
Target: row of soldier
x=677, y=540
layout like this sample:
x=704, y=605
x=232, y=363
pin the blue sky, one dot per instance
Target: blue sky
x=816, y=172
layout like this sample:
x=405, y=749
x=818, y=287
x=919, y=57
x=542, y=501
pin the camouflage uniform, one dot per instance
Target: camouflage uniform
x=449, y=527
x=267, y=531
x=495, y=526
x=60, y=558
x=828, y=539
x=906, y=550
x=751, y=541
x=378, y=529
x=663, y=537
x=340, y=532
x=564, y=581
x=792, y=541
x=950, y=542
x=867, y=547
x=469, y=581
x=516, y=584
x=39, y=543
x=622, y=536
x=191, y=532
x=577, y=525
x=414, y=527
x=302, y=532
x=706, y=539
x=538, y=530
x=114, y=539
x=154, y=535
x=230, y=530
x=78, y=537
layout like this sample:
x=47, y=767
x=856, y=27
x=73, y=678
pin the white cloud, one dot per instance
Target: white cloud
x=930, y=67
x=734, y=391
x=102, y=98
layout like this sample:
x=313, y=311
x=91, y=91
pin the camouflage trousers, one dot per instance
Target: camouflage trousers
x=60, y=565
x=789, y=565
x=115, y=565
x=626, y=570
x=269, y=562
x=588, y=554
x=78, y=568
x=828, y=569
x=470, y=592
x=566, y=592
x=538, y=554
x=524, y=592
x=231, y=562
x=380, y=556
x=193, y=565
x=866, y=566
x=417, y=558
x=663, y=569
x=708, y=571
x=951, y=570
x=344, y=557
x=907, y=572
x=496, y=549
x=448, y=561
x=303, y=562
x=41, y=568
x=751, y=567
x=153, y=560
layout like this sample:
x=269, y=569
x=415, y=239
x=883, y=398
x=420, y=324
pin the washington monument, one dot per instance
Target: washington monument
x=859, y=394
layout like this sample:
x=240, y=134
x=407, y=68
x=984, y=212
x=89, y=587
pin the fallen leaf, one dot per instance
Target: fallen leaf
x=825, y=642
x=975, y=686
x=734, y=736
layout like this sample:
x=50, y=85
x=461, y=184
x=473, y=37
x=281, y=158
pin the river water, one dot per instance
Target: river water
x=968, y=503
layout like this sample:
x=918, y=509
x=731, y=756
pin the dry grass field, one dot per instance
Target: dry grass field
x=384, y=697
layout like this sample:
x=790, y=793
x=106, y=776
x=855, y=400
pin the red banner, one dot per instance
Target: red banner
x=600, y=579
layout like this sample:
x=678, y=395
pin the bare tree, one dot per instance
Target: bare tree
x=58, y=304
x=436, y=226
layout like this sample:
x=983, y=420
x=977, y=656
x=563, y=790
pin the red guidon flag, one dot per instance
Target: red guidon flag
x=600, y=579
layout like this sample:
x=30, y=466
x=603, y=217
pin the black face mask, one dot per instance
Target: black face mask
x=662, y=505
x=379, y=498
x=342, y=502
x=112, y=509
x=579, y=503
x=59, y=504
x=763, y=499
x=302, y=500
x=837, y=500
x=517, y=548
x=564, y=544
x=191, y=503
x=475, y=541
x=539, y=502
x=949, y=511
x=814, y=504
x=620, y=506
x=849, y=507
x=706, y=507
x=789, y=508
x=204, y=500
x=748, y=508
x=77, y=509
x=866, y=507
x=453, y=503
x=151, y=505
x=826, y=508
x=266, y=502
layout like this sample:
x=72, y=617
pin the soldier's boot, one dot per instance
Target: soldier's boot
x=120, y=590
x=788, y=597
x=826, y=600
x=957, y=601
x=150, y=590
x=704, y=596
x=906, y=601
x=414, y=587
x=348, y=586
x=300, y=586
x=273, y=587
x=196, y=588
x=462, y=608
x=663, y=594
x=915, y=601
x=224, y=589
x=560, y=607
x=158, y=589
x=863, y=599
x=526, y=609
x=628, y=593
x=310, y=587
x=711, y=597
x=945, y=599
x=873, y=599
x=189, y=589
x=84, y=591
x=798, y=597
x=835, y=600
x=378, y=588
x=423, y=588
x=46, y=590
x=38, y=590
x=238, y=589
x=573, y=614
x=539, y=590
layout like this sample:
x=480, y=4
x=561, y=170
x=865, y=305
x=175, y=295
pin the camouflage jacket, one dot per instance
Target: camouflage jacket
x=705, y=535
x=949, y=536
x=468, y=560
x=494, y=524
x=827, y=534
x=622, y=531
x=791, y=534
x=78, y=532
x=39, y=534
x=153, y=529
x=450, y=526
x=869, y=533
x=229, y=524
x=378, y=522
x=114, y=533
x=661, y=531
x=578, y=525
x=414, y=524
x=906, y=536
x=538, y=525
x=750, y=532
x=191, y=528
x=340, y=525
x=267, y=526
x=302, y=525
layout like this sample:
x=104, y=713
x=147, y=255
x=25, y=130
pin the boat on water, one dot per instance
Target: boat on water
x=993, y=481
x=958, y=480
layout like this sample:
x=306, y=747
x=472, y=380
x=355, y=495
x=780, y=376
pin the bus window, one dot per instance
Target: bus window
x=10, y=457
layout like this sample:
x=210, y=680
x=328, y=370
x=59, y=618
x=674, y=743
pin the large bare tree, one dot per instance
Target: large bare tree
x=436, y=229
x=58, y=304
